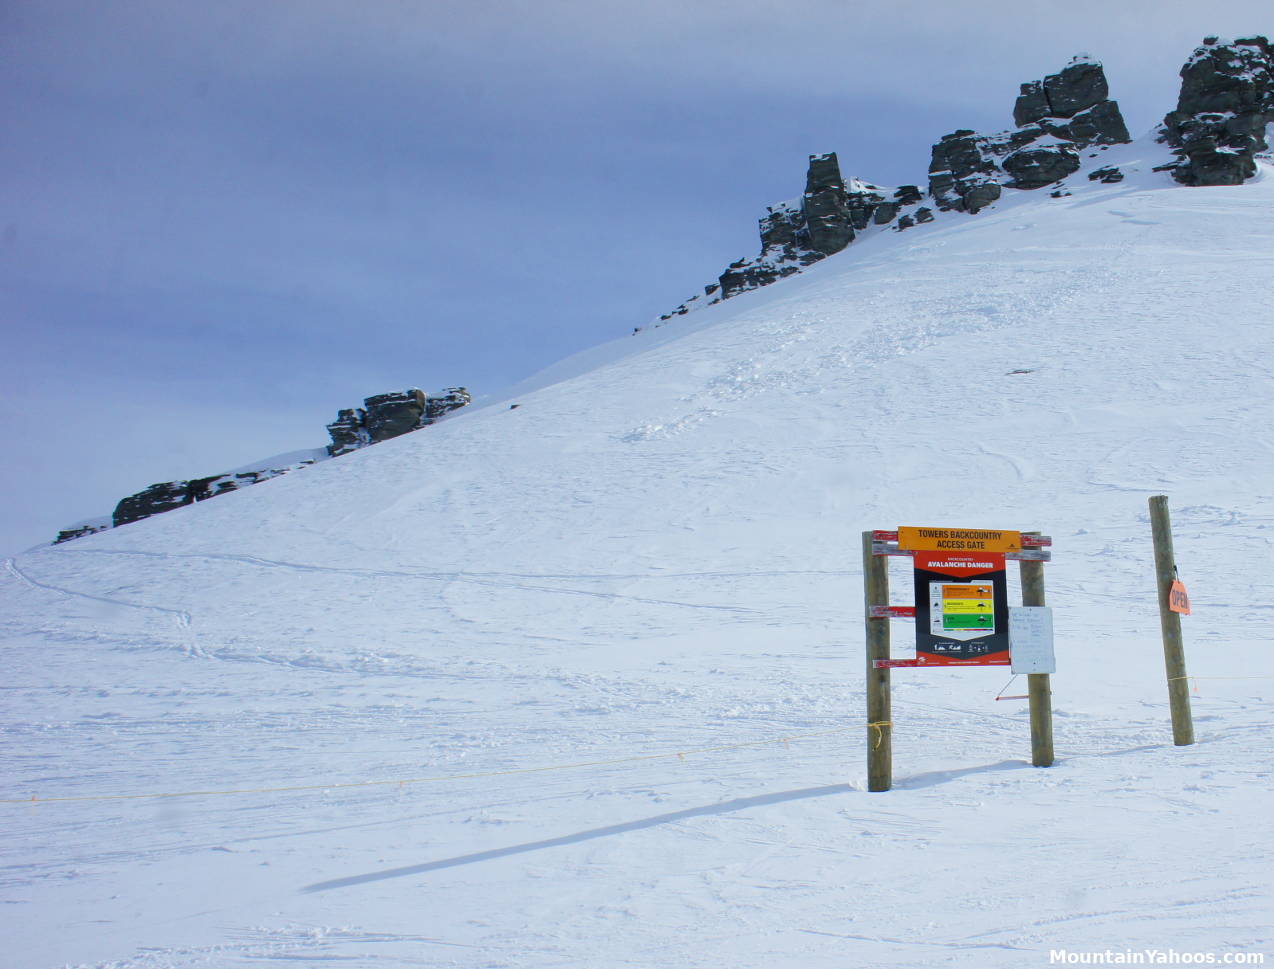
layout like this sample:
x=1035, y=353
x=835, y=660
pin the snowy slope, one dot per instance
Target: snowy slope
x=580, y=683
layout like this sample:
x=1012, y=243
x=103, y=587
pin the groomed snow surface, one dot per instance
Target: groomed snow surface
x=580, y=683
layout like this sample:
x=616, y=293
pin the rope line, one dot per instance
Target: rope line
x=880, y=732
x=1261, y=676
x=1017, y=696
x=1194, y=686
x=680, y=754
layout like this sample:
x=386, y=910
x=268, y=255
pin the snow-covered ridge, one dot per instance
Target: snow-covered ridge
x=1056, y=118
x=1216, y=131
x=381, y=418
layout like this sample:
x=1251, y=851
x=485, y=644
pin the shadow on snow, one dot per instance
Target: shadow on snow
x=725, y=807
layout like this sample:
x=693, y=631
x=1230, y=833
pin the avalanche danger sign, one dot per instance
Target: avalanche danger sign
x=962, y=609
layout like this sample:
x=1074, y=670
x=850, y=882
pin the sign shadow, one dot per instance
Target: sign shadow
x=936, y=777
x=724, y=807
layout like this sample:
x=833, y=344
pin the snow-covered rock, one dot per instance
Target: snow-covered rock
x=382, y=417
x=1057, y=117
x=386, y=416
x=167, y=495
x=1226, y=101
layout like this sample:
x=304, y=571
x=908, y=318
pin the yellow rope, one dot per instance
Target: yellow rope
x=1262, y=676
x=880, y=732
x=1191, y=676
x=425, y=780
x=1195, y=687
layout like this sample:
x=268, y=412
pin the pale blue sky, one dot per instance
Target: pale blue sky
x=224, y=221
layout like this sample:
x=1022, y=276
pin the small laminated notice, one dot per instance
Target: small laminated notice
x=1031, y=639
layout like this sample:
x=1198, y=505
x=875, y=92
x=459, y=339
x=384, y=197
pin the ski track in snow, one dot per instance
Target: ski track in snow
x=581, y=685
x=182, y=617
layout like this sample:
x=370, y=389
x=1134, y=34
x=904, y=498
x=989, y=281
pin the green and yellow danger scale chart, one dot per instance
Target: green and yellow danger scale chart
x=962, y=609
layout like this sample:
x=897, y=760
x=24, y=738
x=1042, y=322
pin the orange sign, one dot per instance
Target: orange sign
x=966, y=592
x=1178, y=601
x=912, y=539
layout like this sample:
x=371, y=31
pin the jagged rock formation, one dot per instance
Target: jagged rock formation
x=381, y=418
x=801, y=231
x=1108, y=175
x=963, y=172
x=348, y=432
x=168, y=495
x=90, y=527
x=387, y=416
x=1227, y=99
x=1056, y=118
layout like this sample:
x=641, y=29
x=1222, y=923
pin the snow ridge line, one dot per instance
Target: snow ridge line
x=682, y=754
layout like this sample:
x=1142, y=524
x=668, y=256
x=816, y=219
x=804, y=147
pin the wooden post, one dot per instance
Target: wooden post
x=1174, y=654
x=1039, y=688
x=880, y=758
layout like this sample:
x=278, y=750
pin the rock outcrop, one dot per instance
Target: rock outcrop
x=1227, y=99
x=1107, y=175
x=380, y=418
x=390, y=415
x=1041, y=164
x=799, y=232
x=348, y=432
x=90, y=527
x=1056, y=117
x=439, y=405
x=167, y=495
x=963, y=173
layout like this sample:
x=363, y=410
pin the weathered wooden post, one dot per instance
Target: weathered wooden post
x=1174, y=656
x=1039, y=687
x=880, y=759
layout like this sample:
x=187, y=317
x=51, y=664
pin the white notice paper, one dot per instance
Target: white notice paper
x=1031, y=639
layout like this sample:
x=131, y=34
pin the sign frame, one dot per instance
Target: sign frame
x=878, y=544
